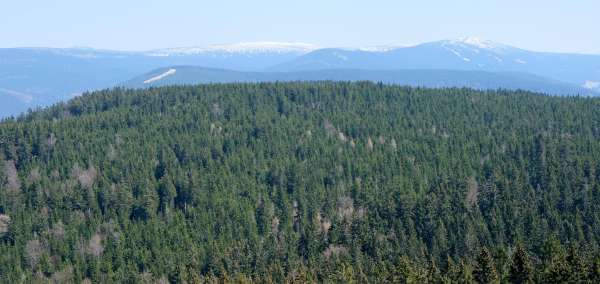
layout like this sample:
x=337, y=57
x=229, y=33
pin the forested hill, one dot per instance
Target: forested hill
x=302, y=182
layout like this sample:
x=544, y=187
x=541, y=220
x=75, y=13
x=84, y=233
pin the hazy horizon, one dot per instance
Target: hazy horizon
x=315, y=46
x=155, y=24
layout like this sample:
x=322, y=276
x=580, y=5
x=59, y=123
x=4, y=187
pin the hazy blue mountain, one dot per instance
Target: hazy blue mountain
x=31, y=77
x=180, y=75
x=40, y=76
x=462, y=54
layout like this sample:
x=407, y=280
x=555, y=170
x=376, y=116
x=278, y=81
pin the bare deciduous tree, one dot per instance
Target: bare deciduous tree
x=111, y=153
x=51, y=140
x=335, y=250
x=393, y=144
x=275, y=225
x=95, y=247
x=13, y=183
x=33, y=252
x=324, y=223
x=369, y=144
x=345, y=207
x=472, y=192
x=58, y=230
x=63, y=276
x=87, y=177
x=329, y=128
x=4, y=224
x=216, y=110
x=34, y=175
x=215, y=128
x=342, y=137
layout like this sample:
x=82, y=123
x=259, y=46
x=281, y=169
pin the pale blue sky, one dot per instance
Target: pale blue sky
x=545, y=25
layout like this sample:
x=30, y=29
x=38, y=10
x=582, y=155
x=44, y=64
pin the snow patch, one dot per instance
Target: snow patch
x=591, y=85
x=239, y=48
x=520, y=61
x=475, y=44
x=475, y=41
x=340, y=56
x=457, y=54
x=161, y=76
x=383, y=48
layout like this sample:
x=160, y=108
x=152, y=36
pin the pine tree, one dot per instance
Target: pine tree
x=485, y=270
x=558, y=272
x=595, y=270
x=521, y=269
x=166, y=194
x=577, y=269
x=458, y=272
x=556, y=268
x=433, y=273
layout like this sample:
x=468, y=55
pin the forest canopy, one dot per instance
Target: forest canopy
x=302, y=182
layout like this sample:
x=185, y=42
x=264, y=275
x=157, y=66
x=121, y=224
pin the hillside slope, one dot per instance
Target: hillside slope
x=306, y=182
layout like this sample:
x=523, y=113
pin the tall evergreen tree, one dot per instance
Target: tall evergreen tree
x=485, y=269
x=521, y=268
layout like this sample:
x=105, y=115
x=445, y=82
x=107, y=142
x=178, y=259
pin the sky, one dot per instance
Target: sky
x=542, y=25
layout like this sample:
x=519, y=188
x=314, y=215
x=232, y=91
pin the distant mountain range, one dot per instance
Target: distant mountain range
x=31, y=77
x=463, y=54
x=432, y=78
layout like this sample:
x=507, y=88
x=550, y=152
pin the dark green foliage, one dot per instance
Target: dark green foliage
x=521, y=268
x=302, y=182
x=485, y=269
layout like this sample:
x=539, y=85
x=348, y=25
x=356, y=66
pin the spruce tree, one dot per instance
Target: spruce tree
x=521, y=269
x=577, y=269
x=485, y=270
x=558, y=271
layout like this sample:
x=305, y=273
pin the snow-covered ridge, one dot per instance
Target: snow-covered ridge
x=240, y=48
x=474, y=42
x=161, y=76
x=380, y=48
x=81, y=52
x=591, y=85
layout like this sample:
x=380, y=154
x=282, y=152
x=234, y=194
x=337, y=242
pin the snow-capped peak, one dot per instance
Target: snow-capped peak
x=379, y=48
x=591, y=85
x=475, y=42
x=241, y=48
